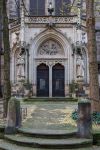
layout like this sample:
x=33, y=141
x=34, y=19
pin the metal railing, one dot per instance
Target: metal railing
x=23, y=113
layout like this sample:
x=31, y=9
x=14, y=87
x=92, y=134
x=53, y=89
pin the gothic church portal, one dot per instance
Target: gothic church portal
x=50, y=61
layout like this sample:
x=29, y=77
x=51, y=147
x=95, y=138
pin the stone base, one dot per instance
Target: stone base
x=66, y=90
x=86, y=89
x=10, y=130
x=34, y=90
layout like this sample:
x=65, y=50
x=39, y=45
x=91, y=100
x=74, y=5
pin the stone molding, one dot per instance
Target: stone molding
x=48, y=19
x=51, y=62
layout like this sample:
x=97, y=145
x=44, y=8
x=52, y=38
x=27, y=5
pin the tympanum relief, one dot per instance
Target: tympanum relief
x=51, y=48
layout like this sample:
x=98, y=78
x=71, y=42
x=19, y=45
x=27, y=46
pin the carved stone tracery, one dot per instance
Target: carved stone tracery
x=50, y=47
x=51, y=62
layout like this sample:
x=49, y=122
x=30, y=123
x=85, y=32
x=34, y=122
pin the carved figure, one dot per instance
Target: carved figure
x=80, y=68
x=20, y=68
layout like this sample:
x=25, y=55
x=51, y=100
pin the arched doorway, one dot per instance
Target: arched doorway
x=58, y=80
x=43, y=80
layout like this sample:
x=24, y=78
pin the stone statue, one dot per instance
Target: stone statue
x=20, y=68
x=80, y=68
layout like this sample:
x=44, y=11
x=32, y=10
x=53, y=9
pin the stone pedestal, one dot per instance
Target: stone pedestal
x=84, y=123
x=18, y=114
x=66, y=90
x=80, y=87
x=13, y=116
x=86, y=88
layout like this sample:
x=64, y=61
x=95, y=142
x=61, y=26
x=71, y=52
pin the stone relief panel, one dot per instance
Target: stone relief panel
x=50, y=48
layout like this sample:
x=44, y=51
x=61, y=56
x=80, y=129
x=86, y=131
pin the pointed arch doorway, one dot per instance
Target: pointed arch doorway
x=58, y=80
x=43, y=80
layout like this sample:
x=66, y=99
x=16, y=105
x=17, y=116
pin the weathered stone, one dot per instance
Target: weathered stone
x=18, y=114
x=27, y=93
x=84, y=119
x=13, y=116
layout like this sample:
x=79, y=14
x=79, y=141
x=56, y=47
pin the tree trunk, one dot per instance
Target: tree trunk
x=7, y=87
x=0, y=49
x=92, y=54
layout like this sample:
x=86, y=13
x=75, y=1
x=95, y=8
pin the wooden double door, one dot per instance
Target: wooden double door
x=58, y=79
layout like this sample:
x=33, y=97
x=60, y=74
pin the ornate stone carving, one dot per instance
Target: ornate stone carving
x=46, y=19
x=51, y=62
x=50, y=47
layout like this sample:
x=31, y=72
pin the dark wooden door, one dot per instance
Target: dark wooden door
x=58, y=81
x=43, y=80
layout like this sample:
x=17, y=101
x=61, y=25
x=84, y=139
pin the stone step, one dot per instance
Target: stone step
x=52, y=134
x=67, y=99
x=48, y=143
x=5, y=145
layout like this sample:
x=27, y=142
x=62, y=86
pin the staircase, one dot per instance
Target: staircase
x=43, y=130
x=53, y=99
x=44, y=139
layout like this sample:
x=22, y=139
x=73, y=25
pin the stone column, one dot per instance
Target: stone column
x=66, y=90
x=12, y=70
x=66, y=79
x=22, y=26
x=87, y=68
x=66, y=72
x=26, y=67
x=74, y=67
x=34, y=80
x=15, y=70
x=31, y=64
x=34, y=90
x=84, y=119
x=68, y=67
x=50, y=81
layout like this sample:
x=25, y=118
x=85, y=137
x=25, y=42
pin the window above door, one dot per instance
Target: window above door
x=62, y=7
x=37, y=7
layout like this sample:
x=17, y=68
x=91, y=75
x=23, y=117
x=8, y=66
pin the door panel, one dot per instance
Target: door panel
x=42, y=81
x=58, y=81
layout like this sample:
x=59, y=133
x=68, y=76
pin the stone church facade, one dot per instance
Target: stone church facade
x=48, y=51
